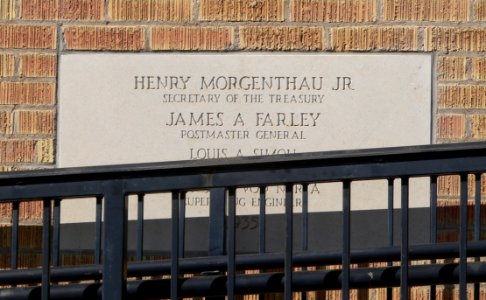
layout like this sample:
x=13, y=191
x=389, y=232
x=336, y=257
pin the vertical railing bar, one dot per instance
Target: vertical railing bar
x=182, y=223
x=433, y=209
x=305, y=224
x=288, y=265
x=390, y=212
x=261, y=220
x=231, y=243
x=174, y=271
x=56, y=232
x=262, y=226
x=404, y=292
x=140, y=213
x=217, y=214
x=433, y=225
x=98, y=229
x=46, y=249
x=114, y=241
x=477, y=208
x=477, y=223
x=305, y=217
x=463, y=239
x=15, y=235
x=346, y=239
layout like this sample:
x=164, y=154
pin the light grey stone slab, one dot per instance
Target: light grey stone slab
x=113, y=109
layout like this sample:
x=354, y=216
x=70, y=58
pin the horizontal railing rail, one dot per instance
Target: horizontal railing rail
x=113, y=275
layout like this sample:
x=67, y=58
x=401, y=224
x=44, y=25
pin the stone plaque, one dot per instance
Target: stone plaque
x=131, y=108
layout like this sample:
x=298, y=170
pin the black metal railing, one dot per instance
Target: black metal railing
x=221, y=271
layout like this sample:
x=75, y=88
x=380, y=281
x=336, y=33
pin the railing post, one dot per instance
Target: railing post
x=46, y=249
x=289, y=240
x=115, y=242
x=216, y=221
x=463, y=238
x=217, y=226
x=177, y=197
x=404, y=292
x=346, y=258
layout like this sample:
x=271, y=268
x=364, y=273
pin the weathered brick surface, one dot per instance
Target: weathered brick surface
x=281, y=38
x=480, y=10
x=27, y=36
x=452, y=68
x=478, y=127
x=426, y=10
x=451, y=126
x=241, y=10
x=15, y=151
x=191, y=38
x=147, y=10
x=333, y=11
x=35, y=122
x=62, y=9
x=6, y=122
x=455, y=39
x=31, y=237
x=45, y=151
x=479, y=68
x=449, y=186
x=34, y=93
x=38, y=65
x=7, y=9
x=374, y=38
x=104, y=38
x=7, y=65
x=462, y=96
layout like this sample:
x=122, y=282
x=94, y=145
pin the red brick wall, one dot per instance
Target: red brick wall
x=34, y=32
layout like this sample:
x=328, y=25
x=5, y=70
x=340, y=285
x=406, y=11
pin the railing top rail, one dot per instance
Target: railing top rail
x=241, y=164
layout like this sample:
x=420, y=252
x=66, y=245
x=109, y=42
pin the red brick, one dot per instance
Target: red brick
x=7, y=9
x=455, y=39
x=241, y=10
x=35, y=122
x=7, y=65
x=6, y=122
x=62, y=9
x=27, y=36
x=451, y=127
x=352, y=11
x=448, y=186
x=479, y=68
x=480, y=10
x=426, y=10
x=150, y=10
x=191, y=38
x=30, y=210
x=33, y=93
x=374, y=38
x=452, y=68
x=104, y=38
x=5, y=168
x=45, y=151
x=462, y=96
x=38, y=65
x=17, y=151
x=281, y=38
x=478, y=127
